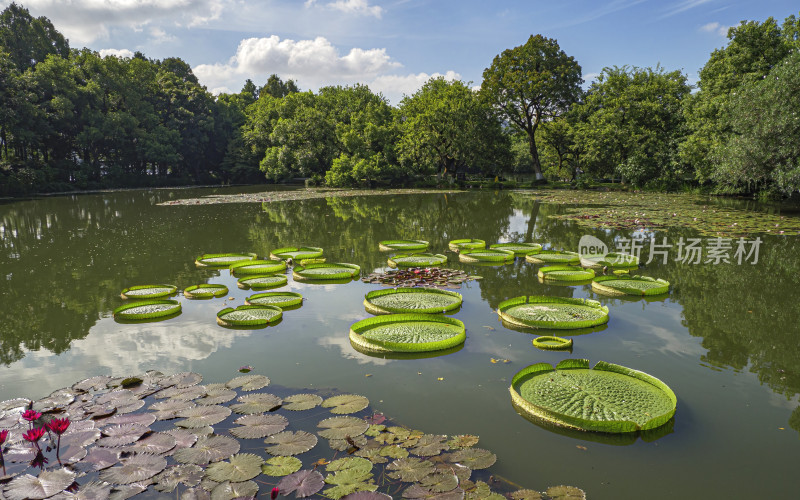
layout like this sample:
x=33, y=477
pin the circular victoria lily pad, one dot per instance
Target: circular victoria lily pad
x=553, y=257
x=403, y=245
x=466, y=244
x=497, y=255
x=299, y=402
x=281, y=466
x=205, y=291
x=296, y=253
x=258, y=266
x=565, y=273
x=538, y=311
x=278, y=299
x=148, y=291
x=407, y=333
x=608, y=398
x=288, y=443
x=346, y=403
x=342, y=427
x=222, y=259
x=614, y=260
x=147, y=309
x=326, y=271
x=261, y=282
x=411, y=300
x=550, y=343
x=258, y=426
x=518, y=248
x=417, y=259
x=249, y=315
x=629, y=285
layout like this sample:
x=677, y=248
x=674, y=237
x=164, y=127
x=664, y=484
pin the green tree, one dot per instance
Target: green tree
x=29, y=40
x=532, y=83
x=277, y=87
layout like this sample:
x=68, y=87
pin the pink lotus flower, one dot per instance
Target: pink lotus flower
x=3, y=436
x=34, y=435
x=31, y=415
x=274, y=494
x=58, y=425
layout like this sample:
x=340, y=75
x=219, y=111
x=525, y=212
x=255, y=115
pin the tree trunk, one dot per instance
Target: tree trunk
x=537, y=168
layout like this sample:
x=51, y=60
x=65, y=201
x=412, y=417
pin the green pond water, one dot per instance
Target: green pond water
x=726, y=339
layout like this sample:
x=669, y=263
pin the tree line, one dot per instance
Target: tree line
x=71, y=119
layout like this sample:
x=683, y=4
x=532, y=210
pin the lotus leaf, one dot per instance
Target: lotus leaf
x=497, y=255
x=296, y=253
x=616, y=286
x=165, y=410
x=156, y=443
x=134, y=469
x=430, y=445
x=407, y=333
x=217, y=395
x=439, y=482
x=410, y=469
x=518, y=248
x=342, y=427
x=326, y=271
x=565, y=493
x=205, y=291
x=411, y=300
x=303, y=483
x=148, y=291
x=258, y=426
x=281, y=466
x=394, y=451
x=248, y=382
x=288, y=443
x=200, y=416
x=207, y=450
x=279, y=299
x=537, y=311
x=607, y=398
x=147, y=309
x=553, y=257
x=474, y=458
x=249, y=315
x=466, y=244
x=463, y=441
x=240, y=467
x=262, y=281
x=550, y=343
x=46, y=485
x=188, y=475
x=256, y=403
x=299, y=402
x=359, y=465
x=417, y=259
x=346, y=403
x=406, y=245
x=118, y=435
x=258, y=266
x=222, y=259
x=229, y=491
x=565, y=273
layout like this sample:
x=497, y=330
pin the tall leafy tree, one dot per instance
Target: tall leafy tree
x=532, y=83
x=29, y=40
x=277, y=87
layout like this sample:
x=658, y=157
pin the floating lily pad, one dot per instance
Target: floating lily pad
x=466, y=244
x=608, y=398
x=302, y=483
x=187, y=474
x=342, y=427
x=182, y=380
x=430, y=445
x=147, y=309
x=553, y=257
x=222, y=259
x=279, y=299
x=156, y=443
x=407, y=333
x=258, y=266
x=248, y=382
x=47, y=484
x=474, y=458
x=240, y=467
x=208, y=449
x=216, y=395
x=538, y=311
x=296, y=253
x=463, y=441
x=367, y=495
x=143, y=419
x=346, y=403
x=205, y=291
x=148, y=291
x=518, y=248
x=258, y=426
x=565, y=273
x=402, y=245
x=288, y=443
x=262, y=282
x=417, y=260
x=326, y=271
x=629, y=285
x=497, y=255
x=166, y=410
x=358, y=465
x=229, y=490
x=118, y=435
x=256, y=403
x=550, y=343
x=134, y=469
x=200, y=416
x=411, y=300
x=249, y=315
x=439, y=482
x=299, y=402
x=565, y=493
x=281, y=466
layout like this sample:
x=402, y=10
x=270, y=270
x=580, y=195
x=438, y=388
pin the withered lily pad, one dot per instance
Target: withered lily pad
x=207, y=450
x=341, y=427
x=281, y=466
x=201, y=416
x=46, y=485
x=256, y=403
x=303, y=483
x=240, y=467
x=188, y=475
x=288, y=443
x=298, y=402
x=134, y=469
x=463, y=441
x=346, y=403
x=258, y=426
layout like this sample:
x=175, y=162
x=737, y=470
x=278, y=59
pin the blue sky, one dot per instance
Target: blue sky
x=396, y=45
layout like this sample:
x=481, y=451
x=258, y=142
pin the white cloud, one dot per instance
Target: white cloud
x=358, y=7
x=157, y=35
x=121, y=53
x=715, y=28
x=394, y=87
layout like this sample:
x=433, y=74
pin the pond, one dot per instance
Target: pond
x=725, y=339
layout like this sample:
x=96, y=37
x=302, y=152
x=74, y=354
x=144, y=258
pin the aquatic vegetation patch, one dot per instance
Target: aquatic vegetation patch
x=148, y=291
x=479, y=255
x=326, y=271
x=466, y=244
x=205, y=291
x=222, y=259
x=249, y=315
x=423, y=277
x=418, y=259
x=553, y=257
x=299, y=194
x=539, y=311
x=258, y=266
x=551, y=343
x=608, y=398
x=411, y=300
x=261, y=282
x=565, y=273
x=402, y=245
x=629, y=285
x=280, y=299
x=296, y=253
x=407, y=333
x=147, y=309
x=523, y=248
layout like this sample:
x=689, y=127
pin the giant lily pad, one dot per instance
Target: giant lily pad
x=551, y=343
x=537, y=311
x=147, y=309
x=518, y=248
x=616, y=286
x=249, y=315
x=553, y=257
x=258, y=266
x=263, y=281
x=608, y=398
x=565, y=273
x=279, y=299
x=222, y=259
x=288, y=443
x=402, y=245
x=417, y=259
x=205, y=291
x=326, y=271
x=407, y=333
x=466, y=244
x=296, y=253
x=497, y=255
x=411, y=300
x=148, y=291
